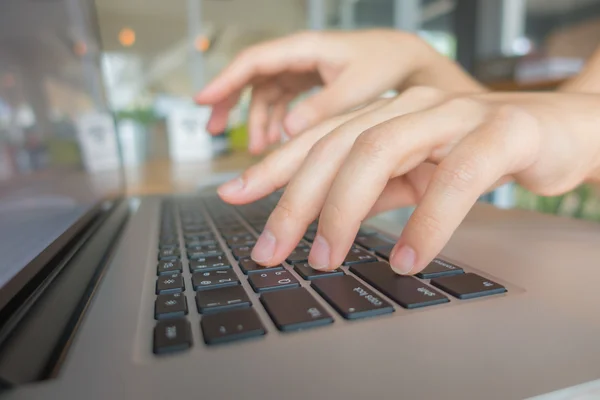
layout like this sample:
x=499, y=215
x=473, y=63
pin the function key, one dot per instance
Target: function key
x=231, y=325
x=169, y=254
x=214, y=279
x=170, y=306
x=351, y=298
x=358, y=256
x=373, y=242
x=309, y=273
x=168, y=267
x=272, y=280
x=217, y=300
x=169, y=284
x=468, y=286
x=248, y=266
x=172, y=335
x=404, y=290
x=209, y=264
x=299, y=254
x=438, y=268
x=295, y=309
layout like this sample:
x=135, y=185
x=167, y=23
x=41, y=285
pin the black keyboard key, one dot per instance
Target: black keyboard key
x=384, y=252
x=299, y=254
x=168, y=254
x=438, y=268
x=170, y=306
x=248, y=266
x=373, y=242
x=310, y=236
x=214, y=279
x=169, y=284
x=241, y=252
x=231, y=325
x=295, y=309
x=192, y=227
x=241, y=240
x=468, y=286
x=358, y=256
x=404, y=290
x=312, y=227
x=209, y=264
x=168, y=267
x=351, y=298
x=168, y=245
x=217, y=300
x=229, y=232
x=272, y=280
x=309, y=273
x=172, y=335
x=203, y=233
x=198, y=252
x=195, y=243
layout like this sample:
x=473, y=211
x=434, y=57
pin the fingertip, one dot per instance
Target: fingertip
x=403, y=260
x=295, y=123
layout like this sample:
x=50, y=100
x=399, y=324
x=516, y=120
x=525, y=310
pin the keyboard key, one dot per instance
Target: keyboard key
x=214, y=279
x=169, y=284
x=404, y=290
x=209, y=264
x=170, y=306
x=272, y=280
x=229, y=232
x=198, y=242
x=242, y=252
x=309, y=273
x=168, y=245
x=310, y=236
x=172, y=335
x=384, y=252
x=241, y=240
x=231, y=325
x=250, y=267
x=295, y=309
x=204, y=252
x=299, y=254
x=468, y=286
x=351, y=298
x=438, y=268
x=217, y=300
x=202, y=248
x=373, y=242
x=207, y=234
x=168, y=267
x=168, y=254
x=192, y=227
x=358, y=256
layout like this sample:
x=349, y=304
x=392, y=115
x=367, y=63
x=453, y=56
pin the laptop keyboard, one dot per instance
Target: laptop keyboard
x=365, y=286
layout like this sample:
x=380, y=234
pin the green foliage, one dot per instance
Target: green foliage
x=144, y=116
x=582, y=202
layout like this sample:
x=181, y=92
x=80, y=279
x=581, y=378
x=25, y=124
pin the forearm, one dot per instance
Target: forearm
x=588, y=81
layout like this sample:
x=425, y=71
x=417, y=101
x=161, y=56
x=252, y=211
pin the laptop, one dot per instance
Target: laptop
x=104, y=296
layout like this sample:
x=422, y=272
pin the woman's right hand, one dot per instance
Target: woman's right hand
x=353, y=67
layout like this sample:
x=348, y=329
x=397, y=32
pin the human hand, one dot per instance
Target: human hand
x=427, y=147
x=353, y=68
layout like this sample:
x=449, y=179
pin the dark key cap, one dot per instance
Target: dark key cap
x=205, y=233
x=272, y=280
x=170, y=306
x=231, y=325
x=242, y=252
x=209, y=264
x=259, y=227
x=384, y=252
x=299, y=254
x=373, y=242
x=168, y=254
x=312, y=227
x=468, y=286
x=217, y=300
x=169, y=284
x=310, y=236
x=438, y=268
x=187, y=228
x=358, y=256
x=366, y=231
x=194, y=243
x=309, y=273
x=241, y=240
x=404, y=290
x=172, y=335
x=168, y=267
x=351, y=298
x=168, y=245
x=250, y=267
x=203, y=248
x=229, y=232
x=295, y=309
x=214, y=279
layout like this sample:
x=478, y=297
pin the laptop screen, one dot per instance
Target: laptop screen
x=59, y=152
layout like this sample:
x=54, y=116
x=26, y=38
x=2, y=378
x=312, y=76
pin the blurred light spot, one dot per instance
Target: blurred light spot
x=201, y=43
x=80, y=48
x=522, y=46
x=127, y=37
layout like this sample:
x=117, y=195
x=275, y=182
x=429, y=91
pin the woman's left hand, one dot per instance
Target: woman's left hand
x=427, y=147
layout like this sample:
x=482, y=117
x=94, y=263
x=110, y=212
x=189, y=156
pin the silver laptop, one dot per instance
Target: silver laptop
x=108, y=297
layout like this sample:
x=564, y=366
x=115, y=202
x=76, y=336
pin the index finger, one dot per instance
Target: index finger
x=293, y=53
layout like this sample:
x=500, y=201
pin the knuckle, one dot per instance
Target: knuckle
x=308, y=37
x=462, y=103
x=429, y=223
x=460, y=176
x=372, y=142
x=331, y=219
x=423, y=93
x=284, y=210
x=322, y=148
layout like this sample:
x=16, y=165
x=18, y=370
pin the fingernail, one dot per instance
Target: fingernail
x=264, y=248
x=295, y=124
x=233, y=186
x=319, y=254
x=403, y=260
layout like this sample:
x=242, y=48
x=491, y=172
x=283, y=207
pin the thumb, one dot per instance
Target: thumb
x=340, y=96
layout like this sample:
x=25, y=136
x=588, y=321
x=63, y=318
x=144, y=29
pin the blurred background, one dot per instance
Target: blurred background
x=139, y=62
